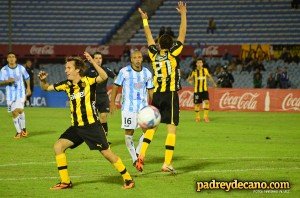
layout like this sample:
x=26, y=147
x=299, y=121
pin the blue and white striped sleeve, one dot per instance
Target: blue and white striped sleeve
x=120, y=78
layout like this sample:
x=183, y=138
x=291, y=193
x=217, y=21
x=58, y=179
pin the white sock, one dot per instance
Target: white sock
x=130, y=146
x=17, y=124
x=22, y=120
x=138, y=148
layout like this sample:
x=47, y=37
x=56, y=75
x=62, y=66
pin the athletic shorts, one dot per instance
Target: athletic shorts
x=17, y=104
x=199, y=97
x=102, y=103
x=93, y=135
x=168, y=105
x=129, y=120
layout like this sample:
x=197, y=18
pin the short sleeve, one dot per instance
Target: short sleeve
x=176, y=48
x=61, y=86
x=152, y=50
x=120, y=78
x=91, y=80
x=25, y=73
x=109, y=72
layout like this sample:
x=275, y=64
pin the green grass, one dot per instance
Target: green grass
x=232, y=146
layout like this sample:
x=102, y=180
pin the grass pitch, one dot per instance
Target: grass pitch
x=234, y=145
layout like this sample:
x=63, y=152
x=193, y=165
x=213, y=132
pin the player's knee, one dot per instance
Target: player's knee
x=15, y=113
x=58, y=147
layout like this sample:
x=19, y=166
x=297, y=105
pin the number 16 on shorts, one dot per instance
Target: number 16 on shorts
x=129, y=120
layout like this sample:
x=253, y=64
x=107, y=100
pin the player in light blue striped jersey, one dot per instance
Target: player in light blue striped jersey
x=12, y=76
x=137, y=86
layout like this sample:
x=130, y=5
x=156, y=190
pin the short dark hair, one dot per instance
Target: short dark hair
x=78, y=63
x=96, y=53
x=11, y=53
x=165, y=41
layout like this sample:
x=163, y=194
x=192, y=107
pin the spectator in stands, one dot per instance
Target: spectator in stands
x=225, y=78
x=102, y=100
x=295, y=4
x=29, y=69
x=211, y=26
x=126, y=54
x=284, y=79
x=257, y=64
x=170, y=32
x=199, y=50
x=295, y=58
x=257, y=79
x=271, y=82
x=227, y=56
x=277, y=77
x=285, y=55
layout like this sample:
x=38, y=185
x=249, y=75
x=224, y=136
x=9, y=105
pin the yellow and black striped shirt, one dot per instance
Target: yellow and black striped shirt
x=200, y=79
x=82, y=100
x=166, y=68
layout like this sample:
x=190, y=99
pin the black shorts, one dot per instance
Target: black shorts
x=199, y=97
x=102, y=103
x=93, y=135
x=168, y=105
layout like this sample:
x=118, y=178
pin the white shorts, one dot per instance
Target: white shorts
x=17, y=104
x=129, y=120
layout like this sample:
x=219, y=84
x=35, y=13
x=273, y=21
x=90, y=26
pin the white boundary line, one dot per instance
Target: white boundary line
x=188, y=173
x=102, y=160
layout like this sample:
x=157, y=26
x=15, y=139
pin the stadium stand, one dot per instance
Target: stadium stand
x=64, y=22
x=238, y=21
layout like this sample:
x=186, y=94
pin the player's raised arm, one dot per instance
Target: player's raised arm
x=183, y=23
x=102, y=76
x=147, y=29
x=44, y=85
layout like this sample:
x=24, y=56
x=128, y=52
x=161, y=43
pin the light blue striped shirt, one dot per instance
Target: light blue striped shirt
x=16, y=90
x=134, y=88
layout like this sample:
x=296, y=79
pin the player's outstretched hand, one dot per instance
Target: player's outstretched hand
x=143, y=14
x=88, y=56
x=181, y=8
x=42, y=75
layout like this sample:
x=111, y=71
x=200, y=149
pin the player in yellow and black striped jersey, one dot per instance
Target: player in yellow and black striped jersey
x=85, y=125
x=199, y=77
x=166, y=81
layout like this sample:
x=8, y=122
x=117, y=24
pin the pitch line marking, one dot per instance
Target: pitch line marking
x=83, y=161
x=203, y=171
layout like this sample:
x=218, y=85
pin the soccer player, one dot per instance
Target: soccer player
x=29, y=69
x=85, y=125
x=12, y=76
x=137, y=85
x=199, y=75
x=167, y=83
x=102, y=100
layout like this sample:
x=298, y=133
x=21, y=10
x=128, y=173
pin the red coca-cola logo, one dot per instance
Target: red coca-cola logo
x=291, y=103
x=102, y=49
x=42, y=50
x=246, y=101
x=186, y=99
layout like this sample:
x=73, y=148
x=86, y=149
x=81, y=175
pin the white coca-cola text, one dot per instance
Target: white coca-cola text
x=42, y=50
x=289, y=102
x=102, y=49
x=246, y=101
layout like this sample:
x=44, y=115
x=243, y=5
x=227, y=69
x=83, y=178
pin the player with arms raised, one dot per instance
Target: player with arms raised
x=167, y=83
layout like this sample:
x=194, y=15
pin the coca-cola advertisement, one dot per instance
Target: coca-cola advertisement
x=273, y=100
x=251, y=100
